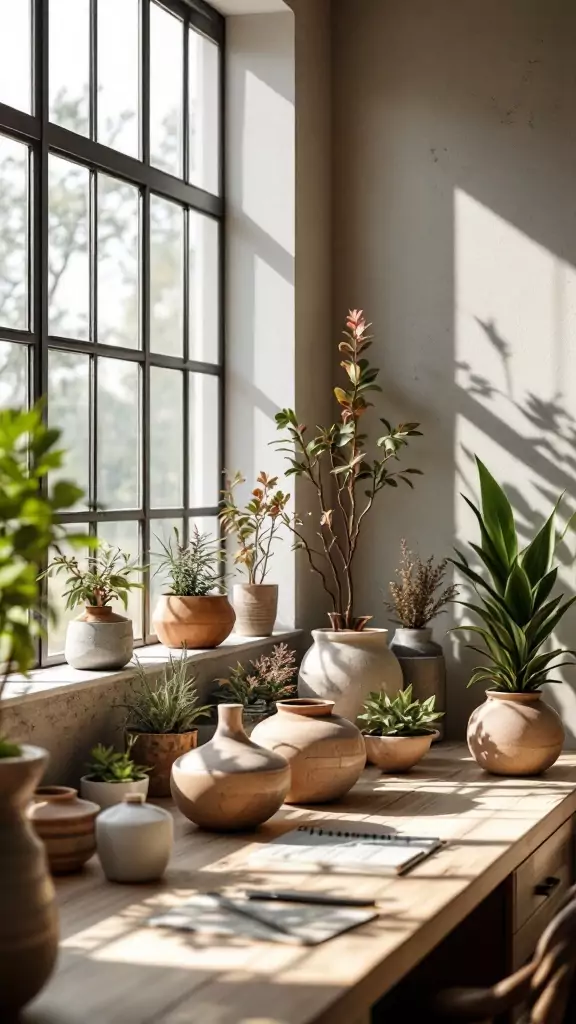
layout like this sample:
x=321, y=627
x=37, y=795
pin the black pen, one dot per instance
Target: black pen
x=322, y=899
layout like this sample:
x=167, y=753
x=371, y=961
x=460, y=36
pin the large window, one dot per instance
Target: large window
x=110, y=258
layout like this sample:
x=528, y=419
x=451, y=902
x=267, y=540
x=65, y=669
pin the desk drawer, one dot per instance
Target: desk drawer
x=541, y=881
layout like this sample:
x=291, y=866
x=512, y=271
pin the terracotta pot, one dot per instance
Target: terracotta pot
x=28, y=916
x=134, y=840
x=515, y=734
x=99, y=640
x=255, y=605
x=423, y=666
x=230, y=783
x=326, y=753
x=65, y=824
x=398, y=753
x=158, y=751
x=198, y=622
x=106, y=794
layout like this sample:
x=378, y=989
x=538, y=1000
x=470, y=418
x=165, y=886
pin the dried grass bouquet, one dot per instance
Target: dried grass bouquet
x=416, y=596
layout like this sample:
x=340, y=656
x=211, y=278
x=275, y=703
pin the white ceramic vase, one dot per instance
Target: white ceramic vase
x=134, y=840
x=99, y=640
x=107, y=794
x=344, y=666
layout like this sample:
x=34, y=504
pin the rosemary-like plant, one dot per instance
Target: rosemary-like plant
x=194, y=568
x=109, y=765
x=399, y=717
x=261, y=683
x=256, y=525
x=169, y=706
x=417, y=597
x=104, y=577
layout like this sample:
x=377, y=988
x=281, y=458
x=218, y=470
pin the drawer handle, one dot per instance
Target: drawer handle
x=547, y=887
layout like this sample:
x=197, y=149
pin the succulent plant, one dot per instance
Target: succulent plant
x=401, y=716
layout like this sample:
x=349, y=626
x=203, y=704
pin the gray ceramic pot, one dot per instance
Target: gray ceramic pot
x=423, y=666
x=99, y=641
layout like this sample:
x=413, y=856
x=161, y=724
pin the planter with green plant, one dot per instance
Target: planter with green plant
x=112, y=775
x=398, y=731
x=260, y=684
x=195, y=612
x=514, y=732
x=255, y=527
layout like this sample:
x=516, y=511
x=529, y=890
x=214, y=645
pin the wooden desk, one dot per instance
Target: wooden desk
x=115, y=971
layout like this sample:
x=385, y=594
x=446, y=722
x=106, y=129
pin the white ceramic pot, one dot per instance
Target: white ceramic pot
x=398, y=754
x=345, y=666
x=99, y=640
x=107, y=794
x=134, y=840
x=255, y=605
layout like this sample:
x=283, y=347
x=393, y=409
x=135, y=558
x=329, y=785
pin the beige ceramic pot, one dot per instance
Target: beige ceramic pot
x=197, y=622
x=28, y=916
x=99, y=640
x=65, y=824
x=255, y=605
x=398, y=753
x=326, y=753
x=158, y=751
x=230, y=783
x=515, y=734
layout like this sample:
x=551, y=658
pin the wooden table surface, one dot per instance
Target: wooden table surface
x=114, y=970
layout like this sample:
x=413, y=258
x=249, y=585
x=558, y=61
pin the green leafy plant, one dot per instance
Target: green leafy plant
x=517, y=614
x=104, y=577
x=341, y=449
x=399, y=717
x=168, y=706
x=109, y=765
x=258, y=685
x=416, y=597
x=194, y=569
x=256, y=525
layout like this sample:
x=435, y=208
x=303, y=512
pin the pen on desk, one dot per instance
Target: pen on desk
x=322, y=899
x=275, y=926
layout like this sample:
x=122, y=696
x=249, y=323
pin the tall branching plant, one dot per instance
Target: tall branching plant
x=256, y=524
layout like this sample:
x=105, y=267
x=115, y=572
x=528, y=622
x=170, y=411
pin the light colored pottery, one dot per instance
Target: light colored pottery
x=230, y=783
x=515, y=734
x=398, y=753
x=158, y=751
x=134, y=840
x=106, y=794
x=28, y=915
x=423, y=666
x=65, y=824
x=345, y=666
x=256, y=605
x=326, y=753
x=99, y=640
x=198, y=622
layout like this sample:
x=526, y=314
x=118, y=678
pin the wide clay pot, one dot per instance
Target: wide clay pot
x=197, y=622
x=345, y=666
x=65, y=824
x=423, y=666
x=135, y=840
x=158, y=751
x=515, y=734
x=99, y=640
x=106, y=794
x=28, y=915
x=398, y=753
x=230, y=783
x=326, y=753
x=255, y=605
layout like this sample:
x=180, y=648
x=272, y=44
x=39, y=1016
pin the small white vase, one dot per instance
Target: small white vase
x=134, y=840
x=344, y=666
x=99, y=640
x=107, y=794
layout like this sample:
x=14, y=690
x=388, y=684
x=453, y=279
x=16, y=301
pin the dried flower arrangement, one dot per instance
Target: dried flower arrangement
x=261, y=683
x=417, y=597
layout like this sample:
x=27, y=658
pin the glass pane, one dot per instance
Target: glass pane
x=13, y=233
x=68, y=264
x=118, y=74
x=69, y=61
x=118, y=434
x=118, y=262
x=161, y=530
x=204, y=106
x=204, y=434
x=205, y=524
x=166, y=277
x=166, y=437
x=166, y=90
x=68, y=409
x=56, y=587
x=13, y=375
x=15, y=39
x=204, y=292
x=126, y=536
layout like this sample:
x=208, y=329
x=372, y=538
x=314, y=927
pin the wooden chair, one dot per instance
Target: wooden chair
x=544, y=989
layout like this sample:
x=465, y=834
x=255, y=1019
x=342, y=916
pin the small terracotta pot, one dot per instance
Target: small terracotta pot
x=65, y=824
x=197, y=622
x=255, y=605
x=398, y=754
x=159, y=750
x=515, y=734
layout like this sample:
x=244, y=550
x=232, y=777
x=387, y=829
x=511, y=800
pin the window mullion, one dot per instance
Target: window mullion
x=93, y=70
x=145, y=80
x=145, y=447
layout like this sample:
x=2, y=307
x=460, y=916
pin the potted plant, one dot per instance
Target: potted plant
x=255, y=527
x=260, y=684
x=418, y=596
x=399, y=731
x=99, y=639
x=514, y=732
x=161, y=720
x=195, y=612
x=348, y=660
x=112, y=775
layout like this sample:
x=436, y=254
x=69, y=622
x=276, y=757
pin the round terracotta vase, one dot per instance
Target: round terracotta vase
x=255, y=605
x=398, y=753
x=197, y=622
x=65, y=824
x=515, y=734
x=158, y=751
x=99, y=640
x=230, y=783
x=326, y=753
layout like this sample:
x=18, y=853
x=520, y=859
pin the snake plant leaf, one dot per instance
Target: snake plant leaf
x=536, y=559
x=490, y=556
x=539, y=619
x=498, y=573
x=550, y=624
x=498, y=516
x=544, y=588
x=477, y=580
x=494, y=625
x=518, y=595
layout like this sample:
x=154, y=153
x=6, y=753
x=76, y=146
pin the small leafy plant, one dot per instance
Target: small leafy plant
x=416, y=599
x=272, y=677
x=256, y=525
x=399, y=717
x=193, y=569
x=104, y=577
x=169, y=706
x=109, y=765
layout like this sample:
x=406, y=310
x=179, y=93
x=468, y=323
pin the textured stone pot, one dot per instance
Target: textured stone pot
x=198, y=622
x=106, y=794
x=515, y=734
x=135, y=840
x=230, y=783
x=255, y=605
x=65, y=824
x=326, y=753
x=345, y=666
x=158, y=751
x=28, y=916
x=398, y=753
x=99, y=640
x=423, y=666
